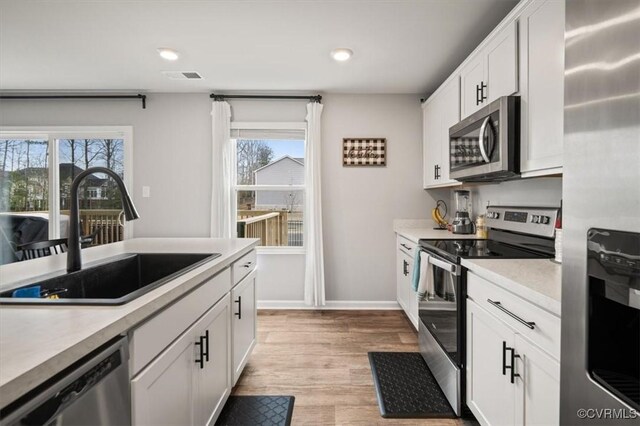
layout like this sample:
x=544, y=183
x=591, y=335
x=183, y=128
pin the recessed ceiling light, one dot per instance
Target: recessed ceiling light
x=341, y=54
x=168, y=54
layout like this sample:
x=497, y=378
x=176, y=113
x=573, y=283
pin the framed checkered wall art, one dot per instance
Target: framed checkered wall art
x=364, y=152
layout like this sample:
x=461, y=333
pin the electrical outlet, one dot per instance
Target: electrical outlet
x=146, y=191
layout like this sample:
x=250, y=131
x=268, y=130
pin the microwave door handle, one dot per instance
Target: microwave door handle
x=483, y=150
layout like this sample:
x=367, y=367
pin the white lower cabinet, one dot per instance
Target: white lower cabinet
x=538, y=389
x=243, y=324
x=187, y=357
x=511, y=380
x=189, y=381
x=404, y=291
x=213, y=378
x=490, y=394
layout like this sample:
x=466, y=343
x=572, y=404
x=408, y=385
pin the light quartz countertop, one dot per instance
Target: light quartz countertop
x=36, y=342
x=415, y=230
x=536, y=280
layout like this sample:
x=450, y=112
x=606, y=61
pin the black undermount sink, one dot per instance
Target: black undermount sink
x=115, y=281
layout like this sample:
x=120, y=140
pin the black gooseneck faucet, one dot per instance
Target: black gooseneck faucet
x=74, y=260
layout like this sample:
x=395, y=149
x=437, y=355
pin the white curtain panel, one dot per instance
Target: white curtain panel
x=221, y=202
x=314, y=270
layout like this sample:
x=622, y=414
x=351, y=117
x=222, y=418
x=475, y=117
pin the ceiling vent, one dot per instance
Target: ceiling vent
x=182, y=75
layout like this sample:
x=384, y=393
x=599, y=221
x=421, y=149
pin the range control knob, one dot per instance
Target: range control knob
x=496, y=215
x=545, y=219
x=535, y=218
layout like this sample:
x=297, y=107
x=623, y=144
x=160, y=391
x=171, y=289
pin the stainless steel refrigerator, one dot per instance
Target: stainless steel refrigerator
x=601, y=214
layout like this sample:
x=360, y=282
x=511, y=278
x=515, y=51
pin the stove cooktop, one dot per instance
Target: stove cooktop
x=478, y=249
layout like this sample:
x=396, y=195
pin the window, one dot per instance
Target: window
x=269, y=182
x=37, y=168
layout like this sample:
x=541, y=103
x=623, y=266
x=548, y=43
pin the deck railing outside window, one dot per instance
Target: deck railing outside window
x=273, y=228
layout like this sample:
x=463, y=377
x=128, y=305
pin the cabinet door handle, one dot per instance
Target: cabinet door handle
x=512, y=367
x=200, y=345
x=405, y=246
x=504, y=358
x=483, y=95
x=206, y=347
x=478, y=94
x=239, y=302
x=405, y=267
x=529, y=324
x=437, y=171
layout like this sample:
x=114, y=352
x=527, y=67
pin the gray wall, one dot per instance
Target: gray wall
x=541, y=192
x=172, y=154
x=360, y=203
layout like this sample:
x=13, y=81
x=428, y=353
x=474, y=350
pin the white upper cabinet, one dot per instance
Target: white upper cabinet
x=440, y=112
x=542, y=87
x=491, y=72
x=502, y=64
x=472, y=78
x=523, y=56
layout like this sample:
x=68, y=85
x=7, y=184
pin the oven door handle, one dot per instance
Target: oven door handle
x=483, y=150
x=449, y=267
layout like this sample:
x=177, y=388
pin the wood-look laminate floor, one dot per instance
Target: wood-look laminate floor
x=320, y=357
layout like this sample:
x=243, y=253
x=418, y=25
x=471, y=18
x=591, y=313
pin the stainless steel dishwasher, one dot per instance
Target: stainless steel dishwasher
x=94, y=391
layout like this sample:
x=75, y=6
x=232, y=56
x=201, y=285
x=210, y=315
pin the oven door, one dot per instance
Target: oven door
x=484, y=146
x=440, y=327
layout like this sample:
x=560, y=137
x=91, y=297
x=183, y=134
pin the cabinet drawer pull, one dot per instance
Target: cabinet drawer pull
x=200, y=345
x=247, y=265
x=529, y=324
x=239, y=302
x=405, y=246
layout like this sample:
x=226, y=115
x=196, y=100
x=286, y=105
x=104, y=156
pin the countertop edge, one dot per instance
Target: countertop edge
x=16, y=387
x=540, y=300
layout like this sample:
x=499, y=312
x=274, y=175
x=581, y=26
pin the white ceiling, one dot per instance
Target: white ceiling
x=400, y=46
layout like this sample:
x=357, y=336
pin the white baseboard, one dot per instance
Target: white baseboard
x=330, y=305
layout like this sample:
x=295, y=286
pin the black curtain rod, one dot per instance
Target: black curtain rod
x=143, y=98
x=316, y=98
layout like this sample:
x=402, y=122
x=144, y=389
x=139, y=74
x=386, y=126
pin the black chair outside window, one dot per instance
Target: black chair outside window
x=43, y=248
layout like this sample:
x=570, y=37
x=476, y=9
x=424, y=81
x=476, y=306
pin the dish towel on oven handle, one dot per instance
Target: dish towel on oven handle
x=422, y=274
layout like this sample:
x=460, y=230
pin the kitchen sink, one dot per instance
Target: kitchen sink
x=115, y=281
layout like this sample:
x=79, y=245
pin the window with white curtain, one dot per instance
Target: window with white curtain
x=268, y=182
x=37, y=166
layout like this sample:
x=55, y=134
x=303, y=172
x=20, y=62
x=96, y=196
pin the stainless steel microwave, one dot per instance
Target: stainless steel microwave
x=486, y=145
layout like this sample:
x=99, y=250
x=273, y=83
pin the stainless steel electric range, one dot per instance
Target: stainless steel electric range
x=514, y=233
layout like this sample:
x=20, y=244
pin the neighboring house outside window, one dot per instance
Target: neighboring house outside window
x=37, y=167
x=283, y=169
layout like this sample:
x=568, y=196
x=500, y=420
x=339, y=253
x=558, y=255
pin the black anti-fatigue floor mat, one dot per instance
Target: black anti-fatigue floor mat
x=261, y=410
x=406, y=388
